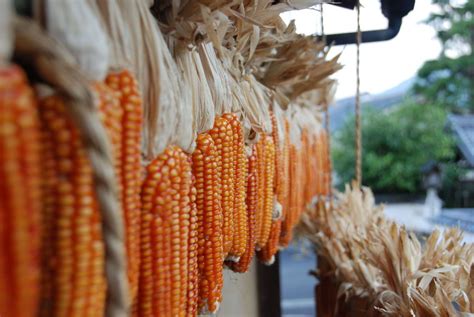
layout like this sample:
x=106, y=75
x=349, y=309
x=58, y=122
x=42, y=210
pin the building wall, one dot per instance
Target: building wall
x=240, y=298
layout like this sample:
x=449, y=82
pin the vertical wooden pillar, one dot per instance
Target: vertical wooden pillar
x=269, y=298
x=327, y=303
x=325, y=290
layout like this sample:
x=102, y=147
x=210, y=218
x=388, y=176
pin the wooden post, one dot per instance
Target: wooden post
x=325, y=290
x=269, y=299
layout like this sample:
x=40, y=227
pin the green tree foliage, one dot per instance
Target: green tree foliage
x=395, y=146
x=449, y=80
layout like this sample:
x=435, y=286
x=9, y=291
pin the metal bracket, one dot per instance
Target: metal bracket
x=393, y=10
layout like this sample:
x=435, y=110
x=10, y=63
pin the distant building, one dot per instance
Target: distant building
x=462, y=127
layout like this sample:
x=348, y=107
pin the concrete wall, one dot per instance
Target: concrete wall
x=240, y=294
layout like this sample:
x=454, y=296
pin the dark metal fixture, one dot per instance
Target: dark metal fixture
x=393, y=10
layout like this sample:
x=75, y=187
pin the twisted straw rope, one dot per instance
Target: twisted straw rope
x=358, y=133
x=57, y=67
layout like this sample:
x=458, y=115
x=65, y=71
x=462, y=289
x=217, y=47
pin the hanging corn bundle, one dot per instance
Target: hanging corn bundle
x=222, y=82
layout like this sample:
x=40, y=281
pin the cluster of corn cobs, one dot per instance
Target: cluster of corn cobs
x=186, y=215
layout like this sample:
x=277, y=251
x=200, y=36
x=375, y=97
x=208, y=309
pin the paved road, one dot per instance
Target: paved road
x=297, y=286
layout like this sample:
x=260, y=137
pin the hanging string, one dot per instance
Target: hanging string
x=322, y=20
x=358, y=132
x=328, y=153
x=327, y=122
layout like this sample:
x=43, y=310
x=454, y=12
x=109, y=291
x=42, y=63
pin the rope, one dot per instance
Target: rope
x=56, y=67
x=358, y=132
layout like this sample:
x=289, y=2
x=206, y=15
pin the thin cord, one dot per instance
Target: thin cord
x=358, y=133
x=328, y=153
x=322, y=20
x=327, y=122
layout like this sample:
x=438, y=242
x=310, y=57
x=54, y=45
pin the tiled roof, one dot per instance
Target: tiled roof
x=463, y=128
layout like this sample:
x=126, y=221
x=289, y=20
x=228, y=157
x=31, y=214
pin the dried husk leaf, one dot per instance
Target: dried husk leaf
x=376, y=258
x=158, y=78
x=186, y=133
x=74, y=24
x=118, y=35
x=190, y=65
x=218, y=80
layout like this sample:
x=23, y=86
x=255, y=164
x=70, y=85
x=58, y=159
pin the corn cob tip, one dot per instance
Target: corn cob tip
x=206, y=311
x=270, y=262
x=277, y=211
x=232, y=258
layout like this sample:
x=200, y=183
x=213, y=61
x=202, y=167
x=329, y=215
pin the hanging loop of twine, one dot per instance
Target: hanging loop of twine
x=358, y=126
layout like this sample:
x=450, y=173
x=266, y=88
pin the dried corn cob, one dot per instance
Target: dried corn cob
x=267, y=253
x=129, y=169
x=285, y=178
x=288, y=222
x=251, y=202
x=277, y=184
x=192, y=299
x=319, y=164
x=210, y=235
x=263, y=232
x=222, y=135
x=306, y=161
x=326, y=164
x=313, y=164
x=76, y=282
x=260, y=162
x=300, y=172
x=19, y=196
x=166, y=211
x=240, y=175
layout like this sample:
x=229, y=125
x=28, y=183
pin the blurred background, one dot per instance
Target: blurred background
x=418, y=122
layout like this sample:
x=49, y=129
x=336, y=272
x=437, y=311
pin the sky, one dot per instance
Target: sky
x=383, y=65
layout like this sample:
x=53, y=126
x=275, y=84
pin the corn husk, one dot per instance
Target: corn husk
x=375, y=258
x=165, y=109
x=255, y=59
x=218, y=79
x=6, y=31
x=189, y=63
x=280, y=123
x=118, y=35
x=256, y=104
x=186, y=133
x=74, y=24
